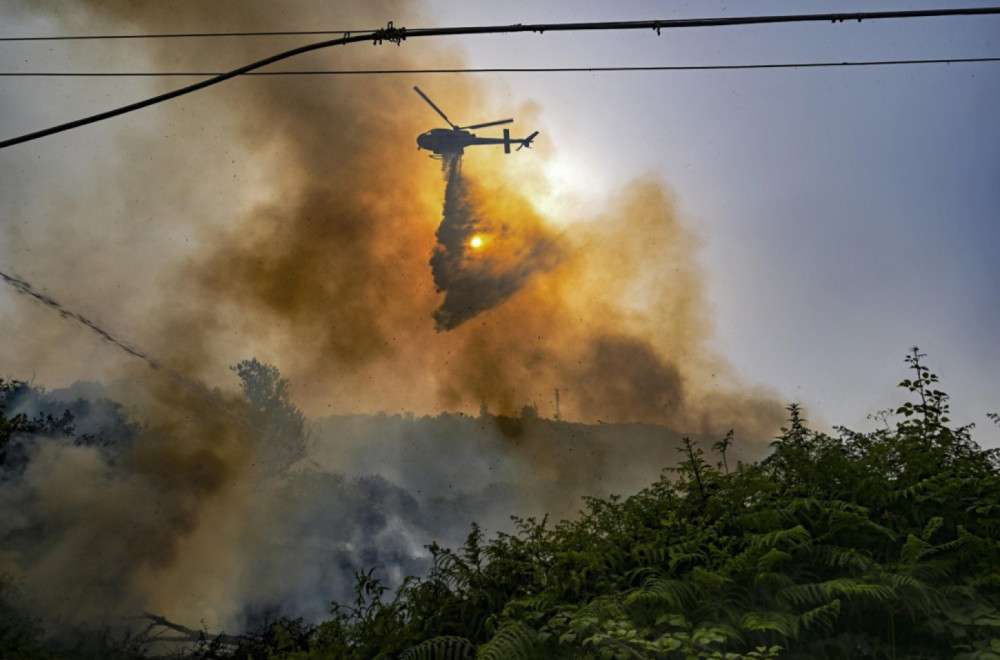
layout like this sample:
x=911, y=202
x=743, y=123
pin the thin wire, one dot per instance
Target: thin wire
x=23, y=287
x=580, y=69
x=398, y=35
x=185, y=35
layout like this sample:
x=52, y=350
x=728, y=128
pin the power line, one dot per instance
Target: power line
x=398, y=35
x=186, y=35
x=23, y=287
x=577, y=69
x=683, y=22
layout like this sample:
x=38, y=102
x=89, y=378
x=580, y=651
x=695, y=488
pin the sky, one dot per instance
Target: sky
x=829, y=219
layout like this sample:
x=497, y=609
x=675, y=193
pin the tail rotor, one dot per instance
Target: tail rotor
x=526, y=142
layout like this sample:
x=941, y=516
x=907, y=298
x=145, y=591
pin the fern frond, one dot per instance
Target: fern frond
x=441, y=648
x=772, y=557
x=717, y=632
x=911, y=590
x=773, y=581
x=849, y=587
x=821, y=619
x=787, y=538
x=932, y=570
x=686, y=553
x=809, y=510
x=675, y=595
x=933, y=525
x=878, y=593
x=803, y=510
x=599, y=609
x=853, y=522
x=803, y=595
x=913, y=549
x=527, y=606
x=781, y=623
x=842, y=557
x=972, y=546
x=706, y=579
x=514, y=641
x=639, y=576
x=650, y=555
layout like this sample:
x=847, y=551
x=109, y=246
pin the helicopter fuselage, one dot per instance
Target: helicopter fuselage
x=448, y=141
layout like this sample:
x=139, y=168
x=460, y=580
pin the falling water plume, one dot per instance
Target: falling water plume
x=480, y=261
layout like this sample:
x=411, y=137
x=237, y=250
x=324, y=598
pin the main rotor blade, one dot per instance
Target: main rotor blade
x=490, y=123
x=424, y=97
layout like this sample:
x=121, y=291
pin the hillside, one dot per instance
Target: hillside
x=548, y=463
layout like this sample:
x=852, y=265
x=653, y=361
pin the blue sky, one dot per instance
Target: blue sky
x=845, y=214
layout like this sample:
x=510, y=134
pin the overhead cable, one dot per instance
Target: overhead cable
x=185, y=35
x=398, y=35
x=682, y=22
x=536, y=69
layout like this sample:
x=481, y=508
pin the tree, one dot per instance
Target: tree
x=280, y=424
x=12, y=392
x=722, y=445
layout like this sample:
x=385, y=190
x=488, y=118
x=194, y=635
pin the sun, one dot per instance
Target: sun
x=476, y=242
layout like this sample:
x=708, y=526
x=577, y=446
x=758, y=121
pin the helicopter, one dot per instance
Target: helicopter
x=453, y=141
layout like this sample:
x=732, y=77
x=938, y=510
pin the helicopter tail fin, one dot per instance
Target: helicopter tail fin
x=526, y=142
x=506, y=140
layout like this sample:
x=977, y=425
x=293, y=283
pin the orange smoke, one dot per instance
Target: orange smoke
x=327, y=267
x=484, y=254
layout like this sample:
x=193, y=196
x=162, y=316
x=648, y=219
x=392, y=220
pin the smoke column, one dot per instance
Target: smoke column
x=478, y=264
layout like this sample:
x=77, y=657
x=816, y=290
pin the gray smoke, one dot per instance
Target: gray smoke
x=201, y=534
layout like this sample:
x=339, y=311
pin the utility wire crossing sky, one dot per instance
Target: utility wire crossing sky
x=398, y=35
x=575, y=69
x=599, y=25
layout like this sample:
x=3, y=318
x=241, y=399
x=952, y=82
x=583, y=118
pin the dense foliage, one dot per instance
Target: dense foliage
x=854, y=545
x=862, y=545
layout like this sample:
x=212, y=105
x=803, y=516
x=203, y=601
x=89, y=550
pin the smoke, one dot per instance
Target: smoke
x=106, y=515
x=316, y=258
x=479, y=264
x=292, y=218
